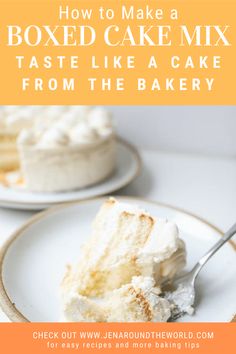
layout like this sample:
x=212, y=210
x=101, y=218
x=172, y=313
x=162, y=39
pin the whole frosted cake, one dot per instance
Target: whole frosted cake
x=121, y=267
x=57, y=148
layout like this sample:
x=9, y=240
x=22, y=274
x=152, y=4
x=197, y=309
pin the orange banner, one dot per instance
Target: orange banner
x=39, y=338
x=118, y=52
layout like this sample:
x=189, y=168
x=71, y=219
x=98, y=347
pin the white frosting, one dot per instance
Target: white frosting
x=19, y=119
x=100, y=119
x=16, y=118
x=81, y=112
x=60, y=127
x=26, y=137
x=54, y=111
x=53, y=138
x=163, y=241
x=84, y=134
x=69, y=120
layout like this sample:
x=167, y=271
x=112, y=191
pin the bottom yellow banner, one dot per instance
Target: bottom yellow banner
x=200, y=338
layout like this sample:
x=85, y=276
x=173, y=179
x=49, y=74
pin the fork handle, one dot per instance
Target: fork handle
x=230, y=233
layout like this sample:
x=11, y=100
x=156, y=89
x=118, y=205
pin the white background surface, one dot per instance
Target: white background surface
x=192, y=129
x=188, y=161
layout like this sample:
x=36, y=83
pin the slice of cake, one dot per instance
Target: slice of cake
x=126, y=242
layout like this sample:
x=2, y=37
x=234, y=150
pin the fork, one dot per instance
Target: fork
x=182, y=299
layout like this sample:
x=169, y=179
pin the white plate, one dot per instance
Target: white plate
x=128, y=167
x=33, y=261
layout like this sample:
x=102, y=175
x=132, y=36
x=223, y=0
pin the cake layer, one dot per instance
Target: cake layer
x=137, y=301
x=9, y=161
x=9, y=158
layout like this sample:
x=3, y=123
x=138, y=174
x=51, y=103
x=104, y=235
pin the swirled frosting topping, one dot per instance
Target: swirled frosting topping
x=53, y=137
x=76, y=125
